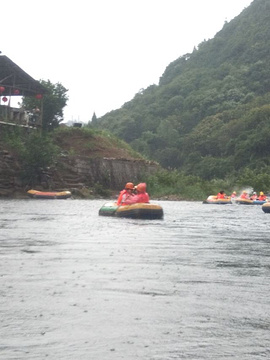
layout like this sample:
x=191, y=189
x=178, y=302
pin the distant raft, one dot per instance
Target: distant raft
x=35, y=194
x=240, y=201
x=266, y=207
x=212, y=199
x=134, y=211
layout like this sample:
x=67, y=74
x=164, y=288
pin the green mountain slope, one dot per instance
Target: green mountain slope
x=210, y=114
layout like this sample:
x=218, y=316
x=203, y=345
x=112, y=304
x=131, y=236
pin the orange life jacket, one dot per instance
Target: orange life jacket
x=123, y=196
x=120, y=197
x=244, y=196
x=142, y=197
x=253, y=197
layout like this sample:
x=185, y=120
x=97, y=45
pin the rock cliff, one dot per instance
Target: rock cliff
x=10, y=171
x=100, y=167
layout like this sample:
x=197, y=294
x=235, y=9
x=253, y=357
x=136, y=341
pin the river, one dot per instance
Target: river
x=75, y=285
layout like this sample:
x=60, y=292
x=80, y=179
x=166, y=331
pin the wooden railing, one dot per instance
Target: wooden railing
x=18, y=116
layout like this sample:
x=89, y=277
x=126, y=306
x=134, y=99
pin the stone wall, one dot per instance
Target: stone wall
x=9, y=174
x=74, y=172
x=111, y=173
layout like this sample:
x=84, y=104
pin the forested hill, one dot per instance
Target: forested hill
x=210, y=114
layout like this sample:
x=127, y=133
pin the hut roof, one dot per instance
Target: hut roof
x=16, y=81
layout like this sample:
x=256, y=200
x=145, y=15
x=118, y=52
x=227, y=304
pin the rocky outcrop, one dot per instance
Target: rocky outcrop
x=109, y=172
x=10, y=171
x=73, y=173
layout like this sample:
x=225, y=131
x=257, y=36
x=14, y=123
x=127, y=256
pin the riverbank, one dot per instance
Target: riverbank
x=90, y=164
x=89, y=194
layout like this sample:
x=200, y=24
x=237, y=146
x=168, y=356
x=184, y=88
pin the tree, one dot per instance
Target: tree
x=54, y=101
x=94, y=119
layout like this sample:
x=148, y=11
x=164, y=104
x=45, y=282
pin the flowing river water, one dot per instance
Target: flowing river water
x=75, y=285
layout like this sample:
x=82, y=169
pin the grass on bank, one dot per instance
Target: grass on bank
x=35, y=150
x=176, y=185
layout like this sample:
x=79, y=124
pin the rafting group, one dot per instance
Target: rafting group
x=132, y=202
x=253, y=197
x=132, y=194
x=245, y=198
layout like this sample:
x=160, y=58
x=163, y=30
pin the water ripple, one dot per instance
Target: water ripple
x=75, y=285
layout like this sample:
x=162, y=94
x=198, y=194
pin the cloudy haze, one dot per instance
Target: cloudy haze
x=105, y=51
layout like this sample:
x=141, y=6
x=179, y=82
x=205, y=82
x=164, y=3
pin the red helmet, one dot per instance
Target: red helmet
x=129, y=185
x=141, y=187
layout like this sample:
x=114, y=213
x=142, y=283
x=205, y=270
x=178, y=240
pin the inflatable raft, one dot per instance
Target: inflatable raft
x=35, y=194
x=266, y=207
x=249, y=202
x=134, y=211
x=212, y=199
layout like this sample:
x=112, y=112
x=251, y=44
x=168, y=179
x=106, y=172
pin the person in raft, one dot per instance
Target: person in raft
x=244, y=195
x=126, y=194
x=262, y=197
x=221, y=195
x=254, y=196
x=141, y=195
x=233, y=195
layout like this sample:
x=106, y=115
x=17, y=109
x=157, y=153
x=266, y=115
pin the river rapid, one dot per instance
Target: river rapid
x=75, y=285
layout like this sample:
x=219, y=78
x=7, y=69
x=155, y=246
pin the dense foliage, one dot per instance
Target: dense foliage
x=35, y=151
x=51, y=105
x=210, y=114
x=38, y=151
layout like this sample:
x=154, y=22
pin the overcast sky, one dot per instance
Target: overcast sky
x=105, y=51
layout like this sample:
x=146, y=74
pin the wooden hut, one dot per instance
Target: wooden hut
x=16, y=82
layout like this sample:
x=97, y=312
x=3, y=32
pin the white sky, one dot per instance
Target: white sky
x=105, y=51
